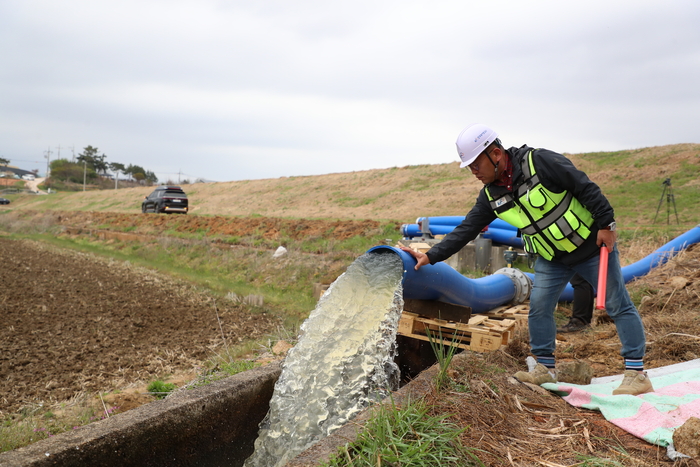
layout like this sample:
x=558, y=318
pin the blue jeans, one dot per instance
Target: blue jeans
x=551, y=278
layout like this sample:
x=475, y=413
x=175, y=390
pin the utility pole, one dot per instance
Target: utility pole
x=116, y=178
x=84, y=173
x=72, y=148
x=48, y=159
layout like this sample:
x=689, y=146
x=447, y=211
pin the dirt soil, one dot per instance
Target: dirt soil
x=72, y=324
x=217, y=227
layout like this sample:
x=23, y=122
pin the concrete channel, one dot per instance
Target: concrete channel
x=213, y=425
x=210, y=426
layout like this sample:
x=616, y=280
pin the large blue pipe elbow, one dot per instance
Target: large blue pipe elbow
x=441, y=282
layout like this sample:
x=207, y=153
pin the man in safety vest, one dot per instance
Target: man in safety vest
x=564, y=219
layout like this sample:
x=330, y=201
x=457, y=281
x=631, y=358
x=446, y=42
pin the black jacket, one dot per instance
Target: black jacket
x=557, y=174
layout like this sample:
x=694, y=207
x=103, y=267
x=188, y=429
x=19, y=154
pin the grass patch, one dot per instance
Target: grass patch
x=407, y=436
x=607, y=158
x=160, y=389
x=352, y=202
x=222, y=369
x=36, y=422
x=444, y=354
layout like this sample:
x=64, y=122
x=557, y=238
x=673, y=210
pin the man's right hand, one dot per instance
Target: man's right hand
x=421, y=258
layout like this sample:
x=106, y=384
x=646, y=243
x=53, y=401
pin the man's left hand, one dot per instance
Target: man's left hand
x=609, y=237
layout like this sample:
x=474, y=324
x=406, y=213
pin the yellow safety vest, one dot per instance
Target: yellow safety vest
x=550, y=222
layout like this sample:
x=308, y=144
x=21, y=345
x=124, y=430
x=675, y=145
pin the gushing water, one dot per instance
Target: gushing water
x=342, y=361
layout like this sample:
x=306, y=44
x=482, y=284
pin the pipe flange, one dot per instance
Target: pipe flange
x=521, y=281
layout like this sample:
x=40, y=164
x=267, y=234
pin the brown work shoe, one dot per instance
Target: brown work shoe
x=574, y=325
x=538, y=376
x=634, y=383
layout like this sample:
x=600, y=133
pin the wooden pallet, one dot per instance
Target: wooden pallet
x=480, y=333
x=518, y=313
x=483, y=332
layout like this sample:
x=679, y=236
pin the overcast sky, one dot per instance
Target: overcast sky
x=233, y=90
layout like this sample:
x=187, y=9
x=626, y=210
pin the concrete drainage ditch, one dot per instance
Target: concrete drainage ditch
x=214, y=425
x=210, y=426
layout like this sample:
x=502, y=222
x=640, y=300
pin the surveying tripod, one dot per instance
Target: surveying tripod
x=668, y=191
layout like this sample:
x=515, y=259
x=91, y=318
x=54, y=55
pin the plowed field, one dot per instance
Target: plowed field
x=72, y=323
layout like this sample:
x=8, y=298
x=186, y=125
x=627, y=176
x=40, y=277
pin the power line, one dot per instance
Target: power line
x=178, y=174
x=23, y=160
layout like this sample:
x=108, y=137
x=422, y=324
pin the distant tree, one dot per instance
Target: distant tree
x=132, y=170
x=151, y=177
x=4, y=161
x=93, y=164
x=90, y=157
x=116, y=167
x=87, y=157
x=101, y=164
x=62, y=169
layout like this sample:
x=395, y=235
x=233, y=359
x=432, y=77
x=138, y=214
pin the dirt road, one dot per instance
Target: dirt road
x=33, y=185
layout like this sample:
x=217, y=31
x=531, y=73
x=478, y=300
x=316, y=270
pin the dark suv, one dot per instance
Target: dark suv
x=166, y=199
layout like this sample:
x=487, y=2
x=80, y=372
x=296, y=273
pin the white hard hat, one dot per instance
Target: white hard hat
x=472, y=141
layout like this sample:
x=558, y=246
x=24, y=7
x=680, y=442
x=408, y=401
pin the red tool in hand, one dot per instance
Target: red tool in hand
x=602, y=278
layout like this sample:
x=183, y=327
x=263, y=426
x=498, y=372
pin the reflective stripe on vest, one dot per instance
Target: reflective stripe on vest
x=550, y=222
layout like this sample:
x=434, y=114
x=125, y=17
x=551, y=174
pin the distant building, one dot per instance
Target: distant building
x=19, y=172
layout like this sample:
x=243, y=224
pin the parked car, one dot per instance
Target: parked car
x=4, y=201
x=167, y=199
x=29, y=177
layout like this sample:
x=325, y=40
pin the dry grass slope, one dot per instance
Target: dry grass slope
x=401, y=193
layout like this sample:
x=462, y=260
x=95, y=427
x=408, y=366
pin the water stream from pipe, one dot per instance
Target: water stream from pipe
x=344, y=360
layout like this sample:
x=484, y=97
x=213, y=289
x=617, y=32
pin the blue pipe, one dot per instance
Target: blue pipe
x=413, y=230
x=504, y=237
x=499, y=231
x=441, y=282
x=661, y=255
x=443, y=220
x=454, y=221
x=503, y=225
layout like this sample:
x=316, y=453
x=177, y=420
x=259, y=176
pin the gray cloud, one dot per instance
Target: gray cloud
x=230, y=90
